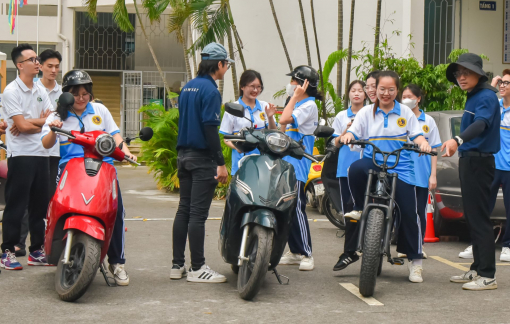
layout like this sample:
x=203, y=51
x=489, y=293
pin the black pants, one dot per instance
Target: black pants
x=27, y=185
x=410, y=240
x=53, y=164
x=196, y=172
x=476, y=176
x=422, y=198
x=502, y=178
x=300, y=241
x=351, y=228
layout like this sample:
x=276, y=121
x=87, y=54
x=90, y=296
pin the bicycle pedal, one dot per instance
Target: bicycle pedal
x=397, y=261
x=353, y=221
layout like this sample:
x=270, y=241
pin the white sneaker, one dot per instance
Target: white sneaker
x=401, y=255
x=119, y=274
x=178, y=272
x=355, y=215
x=505, y=255
x=467, y=253
x=307, y=264
x=481, y=283
x=205, y=274
x=465, y=277
x=415, y=272
x=291, y=258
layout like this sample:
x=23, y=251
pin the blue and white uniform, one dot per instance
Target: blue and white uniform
x=231, y=125
x=502, y=174
x=306, y=119
x=390, y=132
x=345, y=158
x=423, y=166
x=95, y=117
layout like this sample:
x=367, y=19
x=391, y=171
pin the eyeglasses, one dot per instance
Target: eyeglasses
x=390, y=91
x=503, y=84
x=228, y=64
x=465, y=72
x=84, y=96
x=255, y=88
x=32, y=59
x=369, y=88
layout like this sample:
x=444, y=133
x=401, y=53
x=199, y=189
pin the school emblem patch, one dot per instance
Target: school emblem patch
x=96, y=120
x=39, y=99
x=401, y=122
x=425, y=128
x=262, y=116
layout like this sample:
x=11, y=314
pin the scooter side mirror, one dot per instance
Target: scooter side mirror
x=234, y=109
x=323, y=131
x=146, y=134
x=66, y=99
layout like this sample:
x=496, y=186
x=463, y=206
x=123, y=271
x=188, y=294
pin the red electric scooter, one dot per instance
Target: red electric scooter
x=81, y=214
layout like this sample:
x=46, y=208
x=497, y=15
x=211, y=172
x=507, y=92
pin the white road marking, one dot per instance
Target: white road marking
x=355, y=291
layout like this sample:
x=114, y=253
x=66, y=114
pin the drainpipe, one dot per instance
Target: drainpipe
x=67, y=55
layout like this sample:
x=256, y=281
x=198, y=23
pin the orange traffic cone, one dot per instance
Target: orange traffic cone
x=430, y=235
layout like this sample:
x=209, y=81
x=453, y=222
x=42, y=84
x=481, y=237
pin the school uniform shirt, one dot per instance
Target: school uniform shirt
x=53, y=94
x=423, y=164
x=306, y=119
x=18, y=99
x=95, y=117
x=503, y=156
x=389, y=132
x=231, y=125
x=346, y=156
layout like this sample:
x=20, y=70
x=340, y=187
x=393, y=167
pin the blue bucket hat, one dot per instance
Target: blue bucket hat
x=215, y=51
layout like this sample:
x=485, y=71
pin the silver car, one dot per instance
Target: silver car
x=447, y=198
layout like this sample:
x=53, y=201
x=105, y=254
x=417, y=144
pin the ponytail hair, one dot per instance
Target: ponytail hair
x=311, y=91
x=384, y=74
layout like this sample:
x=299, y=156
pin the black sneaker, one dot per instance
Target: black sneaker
x=20, y=253
x=344, y=260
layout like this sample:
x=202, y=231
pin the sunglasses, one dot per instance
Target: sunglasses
x=32, y=59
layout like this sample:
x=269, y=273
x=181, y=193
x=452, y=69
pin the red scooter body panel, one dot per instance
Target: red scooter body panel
x=87, y=203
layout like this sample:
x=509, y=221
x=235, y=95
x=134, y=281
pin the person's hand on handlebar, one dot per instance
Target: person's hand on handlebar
x=347, y=138
x=56, y=123
x=423, y=144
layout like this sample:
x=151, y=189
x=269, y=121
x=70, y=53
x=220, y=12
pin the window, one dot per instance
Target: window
x=439, y=31
x=455, y=122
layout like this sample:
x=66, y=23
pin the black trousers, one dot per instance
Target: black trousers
x=27, y=185
x=422, y=196
x=476, y=176
x=196, y=172
x=502, y=178
x=300, y=241
x=351, y=228
x=53, y=164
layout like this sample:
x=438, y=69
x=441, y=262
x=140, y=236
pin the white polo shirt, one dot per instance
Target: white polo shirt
x=346, y=156
x=18, y=99
x=53, y=94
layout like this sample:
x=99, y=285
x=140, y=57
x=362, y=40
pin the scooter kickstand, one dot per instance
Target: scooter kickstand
x=278, y=277
x=110, y=281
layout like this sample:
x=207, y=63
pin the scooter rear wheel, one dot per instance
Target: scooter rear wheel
x=253, y=271
x=336, y=218
x=72, y=280
x=371, y=252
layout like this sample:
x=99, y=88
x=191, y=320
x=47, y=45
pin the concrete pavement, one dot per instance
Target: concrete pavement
x=311, y=297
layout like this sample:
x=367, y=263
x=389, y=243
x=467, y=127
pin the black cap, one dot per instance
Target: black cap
x=471, y=62
x=305, y=72
x=74, y=78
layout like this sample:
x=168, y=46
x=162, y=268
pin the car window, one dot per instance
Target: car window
x=455, y=125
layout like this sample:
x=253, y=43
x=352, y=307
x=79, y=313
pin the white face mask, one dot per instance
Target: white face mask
x=290, y=89
x=411, y=103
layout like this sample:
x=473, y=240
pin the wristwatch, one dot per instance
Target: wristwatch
x=458, y=140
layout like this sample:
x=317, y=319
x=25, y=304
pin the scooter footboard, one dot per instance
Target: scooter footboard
x=262, y=217
x=87, y=225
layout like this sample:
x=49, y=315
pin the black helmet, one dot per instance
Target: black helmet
x=74, y=78
x=303, y=72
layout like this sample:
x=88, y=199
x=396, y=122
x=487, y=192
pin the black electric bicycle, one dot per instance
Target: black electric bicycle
x=376, y=220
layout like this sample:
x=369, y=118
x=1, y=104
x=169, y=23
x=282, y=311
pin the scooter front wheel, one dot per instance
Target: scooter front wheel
x=371, y=252
x=73, y=279
x=253, y=271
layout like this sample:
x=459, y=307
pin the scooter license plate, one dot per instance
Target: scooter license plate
x=319, y=189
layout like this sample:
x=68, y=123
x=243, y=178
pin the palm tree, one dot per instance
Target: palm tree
x=349, y=56
x=233, y=66
x=176, y=23
x=281, y=35
x=239, y=43
x=324, y=112
x=190, y=41
x=303, y=22
x=340, y=46
x=377, y=33
x=121, y=17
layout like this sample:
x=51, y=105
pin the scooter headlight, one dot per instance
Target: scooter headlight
x=277, y=142
x=105, y=144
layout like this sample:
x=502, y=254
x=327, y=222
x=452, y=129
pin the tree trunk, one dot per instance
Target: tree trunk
x=239, y=44
x=186, y=56
x=340, y=46
x=150, y=48
x=377, y=34
x=233, y=65
x=281, y=36
x=349, y=57
x=324, y=112
x=221, y=82
x=194, y=54
x=303, y=22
